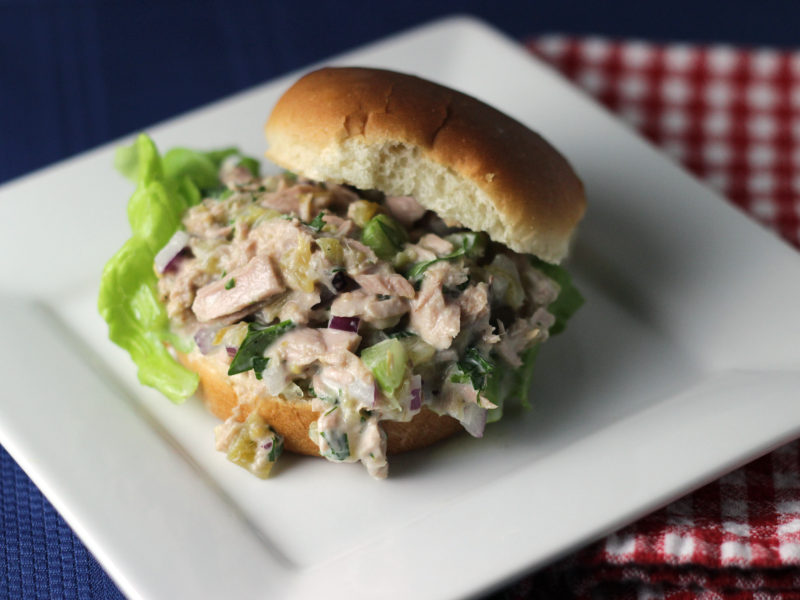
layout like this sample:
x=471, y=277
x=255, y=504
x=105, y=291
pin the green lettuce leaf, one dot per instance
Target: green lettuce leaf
x=568, y=301
x=525, y=376
x=128, y=301
x=138, y=323
x=128, y=298
x=197, y=166
x=501, y=386
x=507, y=382
x=202, y=168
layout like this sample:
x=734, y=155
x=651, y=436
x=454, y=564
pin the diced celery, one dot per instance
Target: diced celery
x=257, y=446
x=385, y=236
x=418, y=351
x=388, y=361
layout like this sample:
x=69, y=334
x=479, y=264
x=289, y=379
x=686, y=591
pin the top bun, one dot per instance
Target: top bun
x=457, y=156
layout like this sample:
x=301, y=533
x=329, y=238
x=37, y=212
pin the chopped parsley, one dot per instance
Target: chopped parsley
x=339, y=447
x=231, y=284
x=401, y=334
x=277, y=446
x=256, y=342
x=473, y=369
x=259, y=364
x=468, y=244
x=318, y=223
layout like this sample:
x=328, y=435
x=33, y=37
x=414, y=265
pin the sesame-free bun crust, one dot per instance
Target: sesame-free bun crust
x=456, y=155
x=291, y=419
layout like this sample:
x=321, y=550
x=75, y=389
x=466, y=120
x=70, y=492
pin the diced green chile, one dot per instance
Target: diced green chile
x=244, y=448
x=256, y=342
x=388, y=361
x=385, y=236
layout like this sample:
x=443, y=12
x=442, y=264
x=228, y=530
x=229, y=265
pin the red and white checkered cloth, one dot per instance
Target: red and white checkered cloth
x=732, y=117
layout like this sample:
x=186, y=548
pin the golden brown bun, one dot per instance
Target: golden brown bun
x=457, y=156
x=291, y=419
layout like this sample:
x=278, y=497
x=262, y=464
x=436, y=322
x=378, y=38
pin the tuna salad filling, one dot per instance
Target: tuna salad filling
x=368, y=304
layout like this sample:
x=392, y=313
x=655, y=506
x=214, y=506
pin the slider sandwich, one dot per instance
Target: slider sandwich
x=390, y=289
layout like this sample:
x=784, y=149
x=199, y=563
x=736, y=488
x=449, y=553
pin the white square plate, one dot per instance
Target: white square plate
x=684, y=363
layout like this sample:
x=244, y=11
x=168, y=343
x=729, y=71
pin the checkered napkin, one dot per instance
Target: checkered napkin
x=732, y=117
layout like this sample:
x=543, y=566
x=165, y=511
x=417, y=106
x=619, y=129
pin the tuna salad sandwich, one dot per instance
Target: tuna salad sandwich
x=388, y=290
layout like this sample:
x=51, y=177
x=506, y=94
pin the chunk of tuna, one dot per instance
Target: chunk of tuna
x=252, y=283
x=304, y=201
x=433, y=242
x=368, y=307
x=385, y=284
x=523, y=334
x=474, y=303
x=405, y=209
x=298, y=307
x=434, y=319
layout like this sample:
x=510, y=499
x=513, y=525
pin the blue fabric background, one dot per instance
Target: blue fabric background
x=75, y=74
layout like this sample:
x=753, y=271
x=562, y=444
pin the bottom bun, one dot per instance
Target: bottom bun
x=292, y=419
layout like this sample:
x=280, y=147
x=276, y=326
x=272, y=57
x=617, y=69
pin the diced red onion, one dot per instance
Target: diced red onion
x=169, y=252
x=267, y=445
x=416, y=393
x=205, y=338
x=363, y=392
x=231, y=351
x=345, y=323
x=474, y=419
